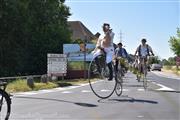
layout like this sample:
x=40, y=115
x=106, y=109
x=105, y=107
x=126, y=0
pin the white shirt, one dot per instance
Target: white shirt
x=144, y=50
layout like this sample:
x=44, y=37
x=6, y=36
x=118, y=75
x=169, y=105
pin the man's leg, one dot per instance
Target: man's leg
x=116, y=65
x=110, y=71
x=97, y=61
x=109, y=56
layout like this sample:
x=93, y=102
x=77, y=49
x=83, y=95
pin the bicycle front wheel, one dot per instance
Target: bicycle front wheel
x=145, y=84
x=98, y=81
x=5, y=105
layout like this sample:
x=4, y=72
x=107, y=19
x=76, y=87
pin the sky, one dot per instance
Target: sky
x=155, y=20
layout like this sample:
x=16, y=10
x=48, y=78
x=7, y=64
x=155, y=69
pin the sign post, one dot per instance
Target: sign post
x=178, y=61
x=57, y=65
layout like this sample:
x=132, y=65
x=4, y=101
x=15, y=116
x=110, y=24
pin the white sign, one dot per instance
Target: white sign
x=57, y=64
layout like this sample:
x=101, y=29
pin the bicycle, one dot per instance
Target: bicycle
x=5, y=102
x=143, y=72
x=98, y=74
x=121, y=68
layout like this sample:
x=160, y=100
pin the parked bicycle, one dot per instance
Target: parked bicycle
x=98, y=79
x=5, y=102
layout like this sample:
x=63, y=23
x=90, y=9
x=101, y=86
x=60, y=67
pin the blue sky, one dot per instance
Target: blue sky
x=155, y=20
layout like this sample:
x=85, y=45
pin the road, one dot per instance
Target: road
x=160, y=102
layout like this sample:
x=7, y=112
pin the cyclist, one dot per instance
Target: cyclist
x=143, y=51
x=105, y=46
x=120, y=52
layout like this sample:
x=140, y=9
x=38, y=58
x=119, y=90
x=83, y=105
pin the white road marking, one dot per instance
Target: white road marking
x=65, y=92
x=85, y=91
x=125, y=90
x=140, y=116
x=26, y=93
x=164, y=88
x=140, y=89
x=45, y=91
x=105, y=90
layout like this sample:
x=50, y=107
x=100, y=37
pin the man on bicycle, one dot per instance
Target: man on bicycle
x=143, y=51
x=105, y=46
x=120, y=52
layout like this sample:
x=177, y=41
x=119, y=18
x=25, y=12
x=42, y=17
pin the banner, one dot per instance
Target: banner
x=76, y=52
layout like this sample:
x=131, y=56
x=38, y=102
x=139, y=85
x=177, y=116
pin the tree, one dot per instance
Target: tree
x=165, y=62
x=154, y=60
x=175, y=43
x=171, y=61
x=29, y=30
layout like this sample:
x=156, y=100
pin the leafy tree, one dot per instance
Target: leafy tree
x=171, y=61
x=165, y=62
x=29, y=30
x=154, y=60
x=175, y=43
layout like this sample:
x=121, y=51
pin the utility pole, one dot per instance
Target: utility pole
x=120, y=36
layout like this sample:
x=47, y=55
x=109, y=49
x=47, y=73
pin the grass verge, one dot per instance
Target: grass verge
x=172, y=69
x=20, y=85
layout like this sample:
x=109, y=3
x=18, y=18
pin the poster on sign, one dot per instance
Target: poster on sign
x=75, y=52
x=57, y=64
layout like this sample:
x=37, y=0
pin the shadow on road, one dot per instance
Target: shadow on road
x=127, y=99
x=126, y=85
x=57, y=100
x=168, y=91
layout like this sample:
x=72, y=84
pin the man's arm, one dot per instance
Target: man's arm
x=150, y=49
x=126, y=53
x=136, y=51
x=108, y=37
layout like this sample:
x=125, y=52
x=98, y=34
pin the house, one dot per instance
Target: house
x=80, y=31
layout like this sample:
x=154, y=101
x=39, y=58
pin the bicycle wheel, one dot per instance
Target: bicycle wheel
x=119, y=74
x=118, y=89
x=5, y=105
x=99, y=84
x=145, y=85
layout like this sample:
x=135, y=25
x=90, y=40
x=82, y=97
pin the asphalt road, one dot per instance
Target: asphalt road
x=160, y=102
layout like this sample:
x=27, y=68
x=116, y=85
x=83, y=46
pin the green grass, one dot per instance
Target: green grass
x=172, y=69
x=78, y=65
x=20, y=85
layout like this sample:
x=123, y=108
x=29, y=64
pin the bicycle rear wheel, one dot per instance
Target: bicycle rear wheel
x=98, y=81
x=119, y=74
x=5, y=105
x=118, y=89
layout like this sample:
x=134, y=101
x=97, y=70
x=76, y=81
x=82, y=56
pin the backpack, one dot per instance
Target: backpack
x=139, y=50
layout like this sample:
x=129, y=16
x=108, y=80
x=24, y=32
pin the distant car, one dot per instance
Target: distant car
x=156, y=67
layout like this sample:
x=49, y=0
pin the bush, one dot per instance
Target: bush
x=77, y=65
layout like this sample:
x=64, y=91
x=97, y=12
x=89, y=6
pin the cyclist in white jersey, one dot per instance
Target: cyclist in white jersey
x=106, y=45
x=143, y=51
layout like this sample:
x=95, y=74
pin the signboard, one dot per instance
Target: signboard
x=178, y=60
x=57, y=64
x=75, y=52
